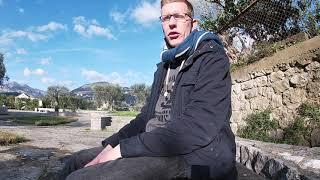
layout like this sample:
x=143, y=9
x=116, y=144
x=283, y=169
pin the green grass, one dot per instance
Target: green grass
x=125, y=113
x=44, y=120
x=7, y=138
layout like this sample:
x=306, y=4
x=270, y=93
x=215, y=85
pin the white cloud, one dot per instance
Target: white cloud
x=26, y=72
x=90, y=28
x=118, y=17
x=123, y=79
x=34, y=34
x=21, y=10
x=8, y=37
x=45, y=61
x=67, y=83
x=21, y=51
x=52, y=81
x=93, y=76
x=146, y=13
x=47, y=80
x=52, y=26
x=39, y=72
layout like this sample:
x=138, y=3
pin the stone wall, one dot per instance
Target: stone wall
x=280, y=83
x=279, y=161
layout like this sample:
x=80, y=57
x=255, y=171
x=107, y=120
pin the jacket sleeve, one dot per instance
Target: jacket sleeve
x=201, y=121
x=134, y=127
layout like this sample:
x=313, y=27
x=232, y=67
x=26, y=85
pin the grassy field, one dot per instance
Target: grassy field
x=125, y=113
x=7, y=138
x=44, y=120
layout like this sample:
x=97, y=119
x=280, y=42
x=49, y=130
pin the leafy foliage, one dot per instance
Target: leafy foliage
x=299, y=133
x=110, y=95
x=56, y=95
x=258, y=126
x=3, y=77
x=141, y=92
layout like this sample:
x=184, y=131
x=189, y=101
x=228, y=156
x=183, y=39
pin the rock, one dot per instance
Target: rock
x=292, y=71
x=303, y=62
x=283, y=66
x=260, y=103
x=251, y=93
x=280, y=86
x=299, y=80
x=243, y=78
x=247, y=85
x=276, y=76
x=294, y=96
x=315, y=138
x=266, y=91
x=275, y=101
x=256, y=74
x=236, y=89
x=313, y=89
x=313, y=164
x=313, y=66
x=261, y=81
x=272, y=168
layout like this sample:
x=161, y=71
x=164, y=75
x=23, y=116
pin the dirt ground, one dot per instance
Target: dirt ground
x=43, y=155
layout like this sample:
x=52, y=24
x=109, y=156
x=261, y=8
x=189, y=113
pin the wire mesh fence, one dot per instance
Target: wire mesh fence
x=253, y=29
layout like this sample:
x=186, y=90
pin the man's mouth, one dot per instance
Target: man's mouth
x=173, y=35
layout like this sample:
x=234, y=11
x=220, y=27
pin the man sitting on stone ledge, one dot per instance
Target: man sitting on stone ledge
x=183, y=131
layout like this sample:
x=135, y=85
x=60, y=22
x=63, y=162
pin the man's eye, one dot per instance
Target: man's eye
x=178, y=16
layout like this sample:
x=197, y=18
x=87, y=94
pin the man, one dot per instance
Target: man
x=183, y=130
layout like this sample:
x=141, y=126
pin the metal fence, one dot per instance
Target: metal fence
x=263, y=27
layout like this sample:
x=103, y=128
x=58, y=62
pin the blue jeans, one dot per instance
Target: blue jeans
x=137, y=168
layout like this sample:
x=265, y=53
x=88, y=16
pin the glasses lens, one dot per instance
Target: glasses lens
x=177, y=17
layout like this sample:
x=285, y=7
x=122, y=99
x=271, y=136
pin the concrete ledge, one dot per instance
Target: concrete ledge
x=279, y=161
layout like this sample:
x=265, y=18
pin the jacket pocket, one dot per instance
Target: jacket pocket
x=187, y=87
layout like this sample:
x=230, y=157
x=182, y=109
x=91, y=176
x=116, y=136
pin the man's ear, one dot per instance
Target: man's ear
x=195, y=24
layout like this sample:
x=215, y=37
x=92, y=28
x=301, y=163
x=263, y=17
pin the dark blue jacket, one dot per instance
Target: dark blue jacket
x=199, y=129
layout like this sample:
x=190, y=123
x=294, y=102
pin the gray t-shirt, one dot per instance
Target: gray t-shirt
x=163, y=106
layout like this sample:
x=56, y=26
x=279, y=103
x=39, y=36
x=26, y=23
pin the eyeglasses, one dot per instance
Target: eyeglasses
x=177, y=17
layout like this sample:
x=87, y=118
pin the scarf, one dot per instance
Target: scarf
x=188, y=46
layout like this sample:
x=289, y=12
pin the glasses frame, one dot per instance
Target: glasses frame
x=172, y=15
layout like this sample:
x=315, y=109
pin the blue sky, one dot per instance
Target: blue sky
x=75, y=42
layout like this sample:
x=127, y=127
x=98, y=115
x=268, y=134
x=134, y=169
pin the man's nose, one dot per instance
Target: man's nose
x=172, y=21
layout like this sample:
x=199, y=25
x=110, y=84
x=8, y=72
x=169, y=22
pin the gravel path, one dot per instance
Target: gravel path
x=42, y=156
x=71, y=137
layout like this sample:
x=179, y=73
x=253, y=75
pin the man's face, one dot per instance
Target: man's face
x=176, y=30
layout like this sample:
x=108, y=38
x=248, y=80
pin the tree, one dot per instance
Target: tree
x=57, y=95
x=3, y=77
x=109, y=95
x=141, y=92
x=262, y=20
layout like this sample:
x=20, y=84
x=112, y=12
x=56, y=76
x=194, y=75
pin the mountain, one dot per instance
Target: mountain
x=86, y=91
x=16, y=87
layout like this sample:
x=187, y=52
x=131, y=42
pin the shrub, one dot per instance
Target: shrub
x=299, y=133
x=7, y=138
x=44, y=120
x=258, y=127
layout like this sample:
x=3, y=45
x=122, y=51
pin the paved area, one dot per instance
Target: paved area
x=48, y=145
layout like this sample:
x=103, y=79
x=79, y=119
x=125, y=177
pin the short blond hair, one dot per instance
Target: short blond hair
x=189, y=5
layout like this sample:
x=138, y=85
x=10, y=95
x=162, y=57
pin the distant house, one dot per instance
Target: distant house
x=24, y=96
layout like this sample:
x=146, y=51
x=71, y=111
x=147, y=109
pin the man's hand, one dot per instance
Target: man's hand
x=107, y=154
